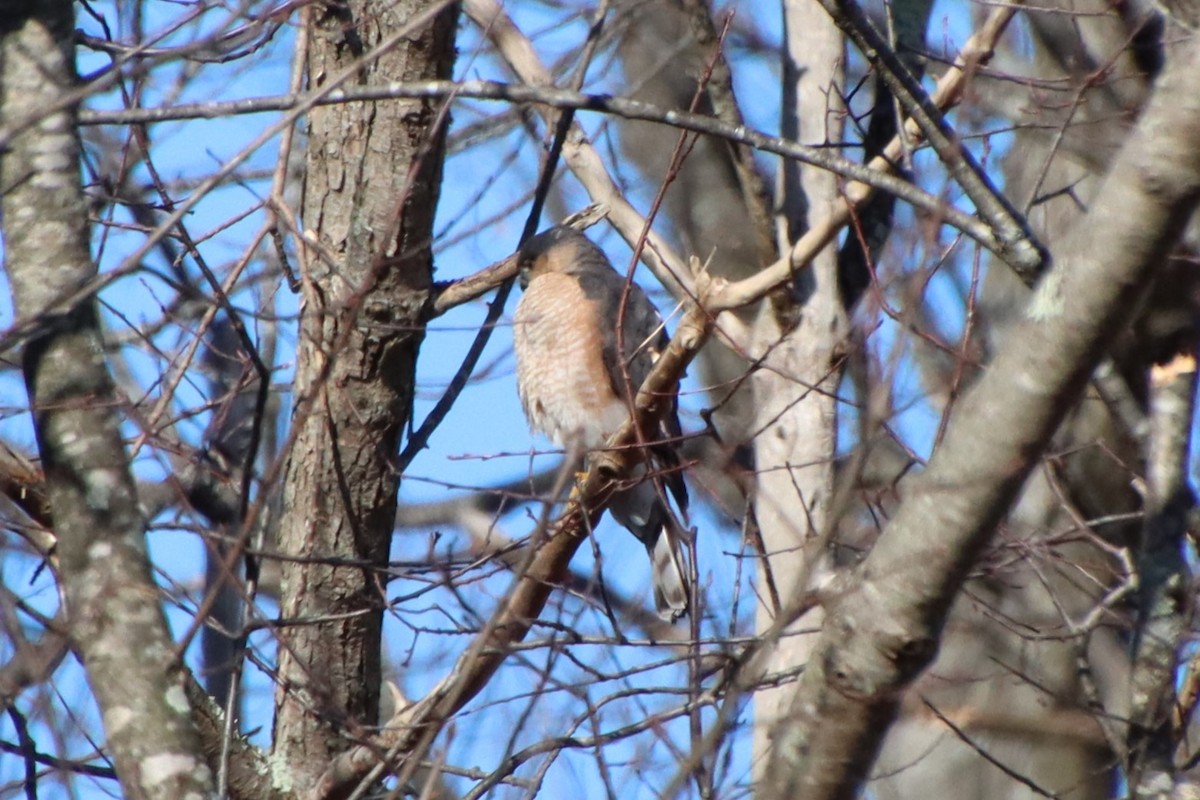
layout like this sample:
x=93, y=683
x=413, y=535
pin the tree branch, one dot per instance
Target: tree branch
x=549, y=560
x=1164, y=577
x=105, y=571
x=880, y=635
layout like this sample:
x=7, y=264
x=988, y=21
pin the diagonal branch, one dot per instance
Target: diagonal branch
x=548, y=562
x=883, y=631
x=1024, y=253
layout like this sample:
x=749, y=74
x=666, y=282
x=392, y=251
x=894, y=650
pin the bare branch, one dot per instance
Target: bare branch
x=464, y=290
x=880, y=636
x=89, y=486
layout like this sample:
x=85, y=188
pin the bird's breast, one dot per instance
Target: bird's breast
x=562, y=379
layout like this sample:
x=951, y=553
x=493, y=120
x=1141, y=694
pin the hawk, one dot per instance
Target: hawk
x=575, y=385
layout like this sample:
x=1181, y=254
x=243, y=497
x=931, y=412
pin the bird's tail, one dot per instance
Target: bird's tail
x=670, y=570
x=642, y=511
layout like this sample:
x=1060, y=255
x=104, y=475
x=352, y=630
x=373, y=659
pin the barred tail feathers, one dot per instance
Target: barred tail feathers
x=642, y=512
x=672, y=593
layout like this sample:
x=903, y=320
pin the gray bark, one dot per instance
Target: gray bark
x=116, y=622
x=885, y=629
x=795, y=394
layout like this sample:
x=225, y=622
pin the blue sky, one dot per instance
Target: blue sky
x=484, y=441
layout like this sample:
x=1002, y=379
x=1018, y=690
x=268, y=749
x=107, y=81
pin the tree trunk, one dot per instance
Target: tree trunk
x=112, y=601
x=795, y=390
x=373, y=175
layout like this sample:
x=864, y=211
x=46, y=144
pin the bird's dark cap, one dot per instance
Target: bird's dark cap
x=559, y=250
x=547, y=240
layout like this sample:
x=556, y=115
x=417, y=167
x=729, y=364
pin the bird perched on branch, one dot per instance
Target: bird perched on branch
x=577, y=378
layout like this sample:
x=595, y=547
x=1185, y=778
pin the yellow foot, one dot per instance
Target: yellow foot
x=580, y=477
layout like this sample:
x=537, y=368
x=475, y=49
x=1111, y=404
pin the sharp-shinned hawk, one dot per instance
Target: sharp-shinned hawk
x=575, y=383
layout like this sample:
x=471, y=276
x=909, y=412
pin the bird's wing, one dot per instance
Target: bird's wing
x=643, y=341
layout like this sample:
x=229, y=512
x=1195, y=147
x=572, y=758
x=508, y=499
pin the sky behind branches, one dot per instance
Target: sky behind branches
x=483, y=442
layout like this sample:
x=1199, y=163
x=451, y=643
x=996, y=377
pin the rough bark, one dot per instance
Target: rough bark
x=371, y=189
x=886, y=628
x=116, y=622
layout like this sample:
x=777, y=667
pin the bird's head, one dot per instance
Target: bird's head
x=560, y=249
